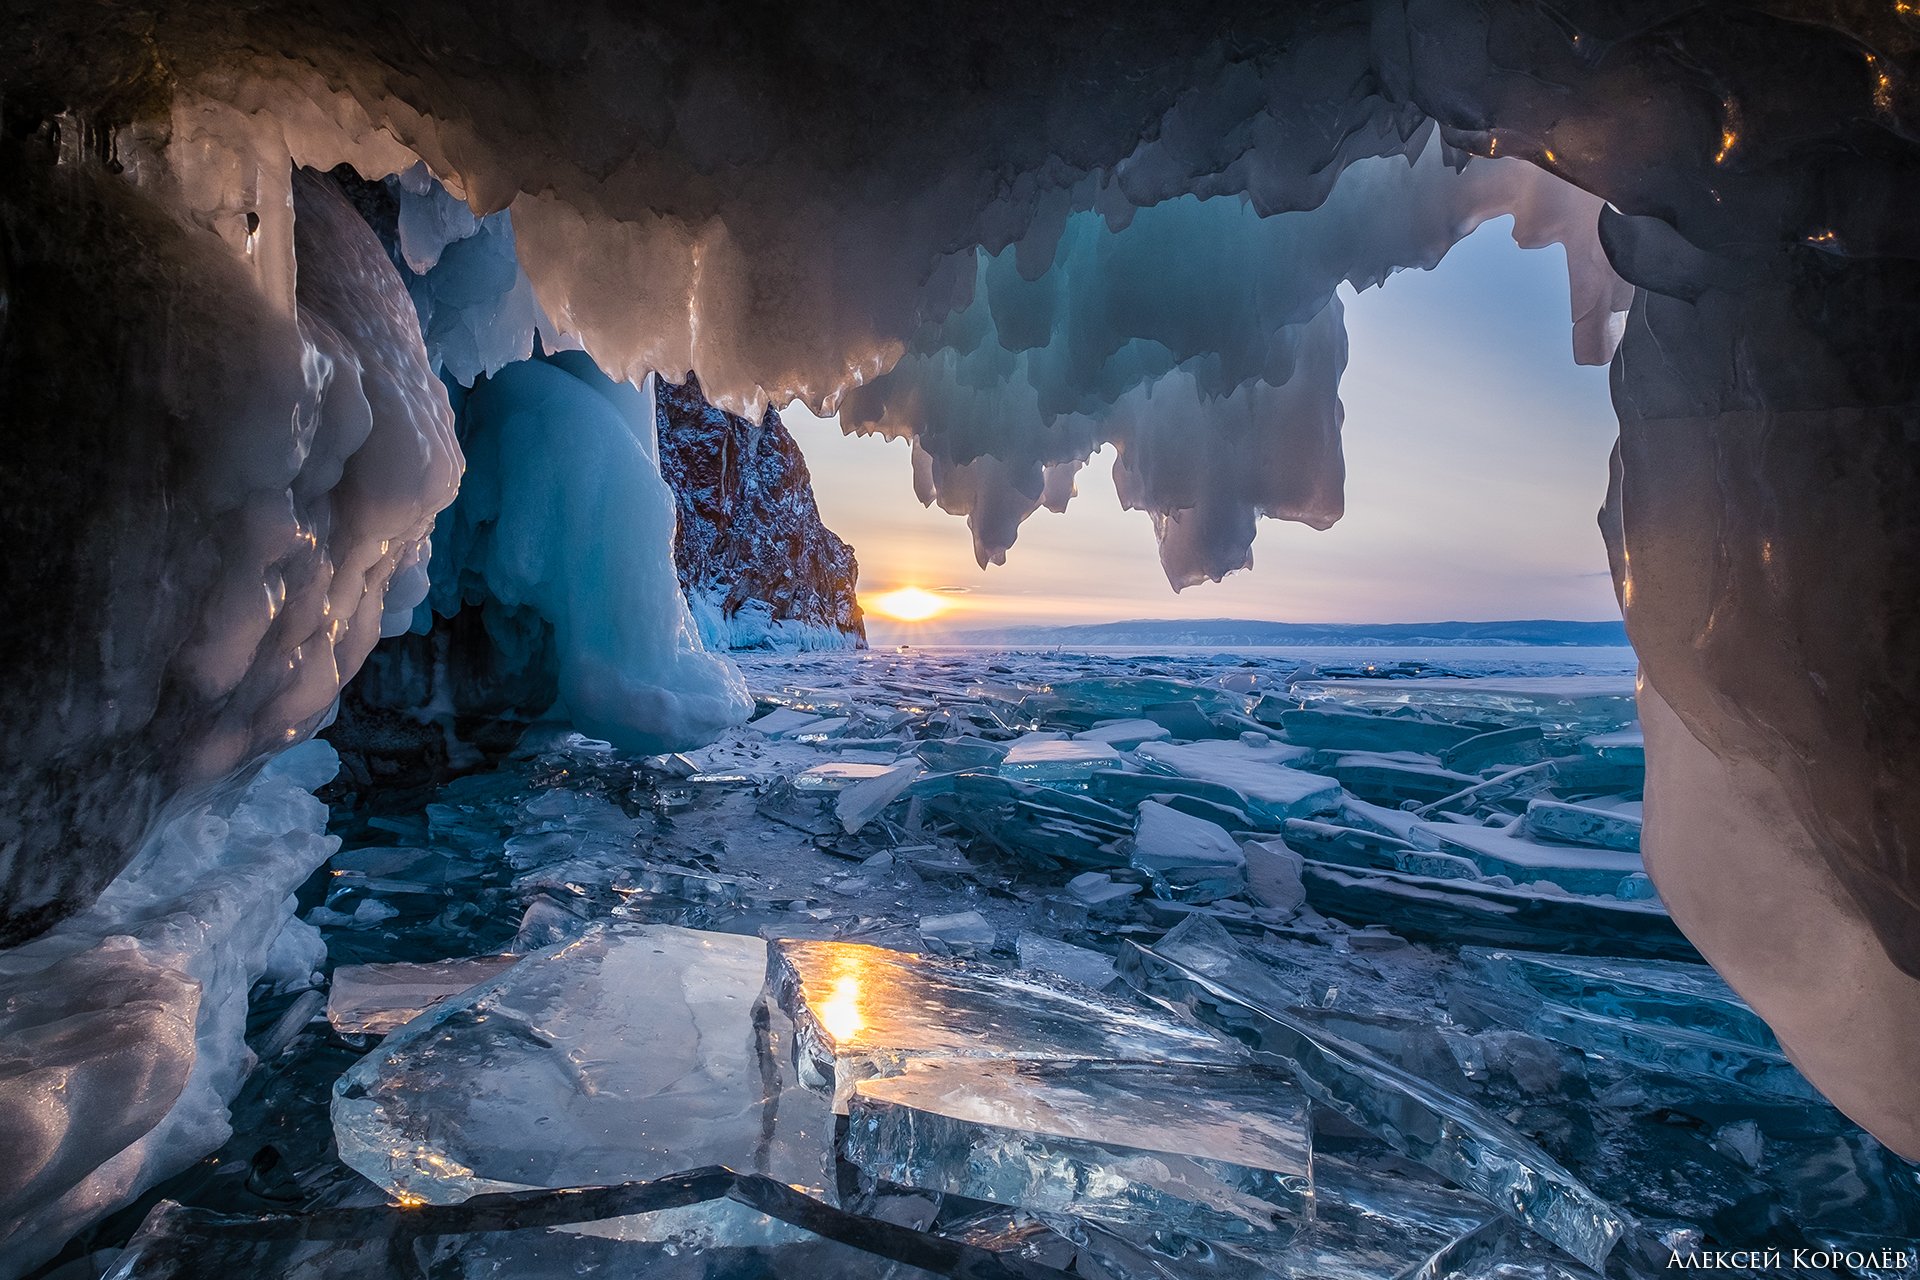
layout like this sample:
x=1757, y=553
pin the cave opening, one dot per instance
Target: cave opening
x=452, y=820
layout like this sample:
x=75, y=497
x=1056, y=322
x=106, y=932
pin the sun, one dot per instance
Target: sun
x=908, y=604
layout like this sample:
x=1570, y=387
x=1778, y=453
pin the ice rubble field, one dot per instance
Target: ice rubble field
x=970, y=963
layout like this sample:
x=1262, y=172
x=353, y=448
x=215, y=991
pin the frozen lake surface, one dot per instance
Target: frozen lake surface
x=1270, y=962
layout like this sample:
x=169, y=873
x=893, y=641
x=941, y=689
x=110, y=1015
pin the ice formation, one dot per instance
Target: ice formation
x=1202, y=337
x=246, y=527
x=1315, y=1084
x=230, y=444
x=564, y=513
x=125, y=1025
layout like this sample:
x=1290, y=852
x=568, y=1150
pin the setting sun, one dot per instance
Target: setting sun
x=908, y=604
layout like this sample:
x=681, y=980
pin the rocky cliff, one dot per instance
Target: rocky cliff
x=759, y=568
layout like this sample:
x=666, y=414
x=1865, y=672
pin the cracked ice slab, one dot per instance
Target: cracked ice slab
x=862, y=1011
x=1451, y=910
x=1502, y=851
x=632, y=1053
x=1036, y=759
x=1219, y=1151
x=1594, y=701
x=1672, y=1017
x=1452, y=1136
x=373, y=999
x=1256, y=770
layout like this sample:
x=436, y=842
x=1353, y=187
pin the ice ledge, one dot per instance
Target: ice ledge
x=124, y=1027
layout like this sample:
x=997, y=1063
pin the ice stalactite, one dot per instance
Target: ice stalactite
x=565, y=513
x=1205, y=341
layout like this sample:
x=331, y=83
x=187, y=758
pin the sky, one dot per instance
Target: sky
x=1476, y=456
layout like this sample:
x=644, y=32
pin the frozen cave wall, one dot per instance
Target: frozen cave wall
x=759, y=569
x=213, y=541
x=1012, y=235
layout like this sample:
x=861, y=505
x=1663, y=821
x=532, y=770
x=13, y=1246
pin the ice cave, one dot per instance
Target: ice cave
x=452, y=823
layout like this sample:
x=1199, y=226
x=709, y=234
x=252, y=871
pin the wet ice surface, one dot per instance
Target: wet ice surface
x=1053, y=964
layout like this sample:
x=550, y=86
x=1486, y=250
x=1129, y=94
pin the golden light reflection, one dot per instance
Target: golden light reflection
x=840, y=1013
x=908, y=604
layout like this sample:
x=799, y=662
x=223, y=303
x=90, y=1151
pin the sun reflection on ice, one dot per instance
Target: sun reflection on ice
x=840, y=1013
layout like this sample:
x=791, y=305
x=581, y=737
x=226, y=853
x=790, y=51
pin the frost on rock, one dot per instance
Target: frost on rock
x=124, y=1027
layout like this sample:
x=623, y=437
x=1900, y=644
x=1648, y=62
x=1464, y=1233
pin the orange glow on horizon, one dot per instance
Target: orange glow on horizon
x=907, y=604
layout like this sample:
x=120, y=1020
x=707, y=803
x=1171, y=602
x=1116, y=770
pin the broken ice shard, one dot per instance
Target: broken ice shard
x=783, y=721
x=1063, y=959
x=863, y=1011
x=1450, y=1135
x=1084, y=703
x=1608, y=827
x=1394, y=777
x=863, y=801
x=1255, y=770
x=1503, y=851
x=1337, y=729
x=1678, y=1018
x=1448, y=910
x=962, y=933
x=839, y=775
x=1037, y=758
x=1124, y=734
x=1188, y=859
x=1594, y=702
x=631, y=1053
x=373, y=999
x=1221, y=1152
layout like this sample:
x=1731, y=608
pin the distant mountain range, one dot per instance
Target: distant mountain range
x=1218, y=632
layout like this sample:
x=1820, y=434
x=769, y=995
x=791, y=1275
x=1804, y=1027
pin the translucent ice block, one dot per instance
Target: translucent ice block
x=1454, y=1137
x=1083, y=703
x=1124, y=734
x=1214, y=1151
x=1444, y=910
x=373, y=999
x=631, y=1053
x=1391, y=778
x=1584, y=824
x=865, y=1011
x=1678, y=1018
x=838, y=775
x=1056, y=759
x=1504, y=851
x=1598, y=702
x=1257, y=772
x=1337, y=729
x=1188, y=859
